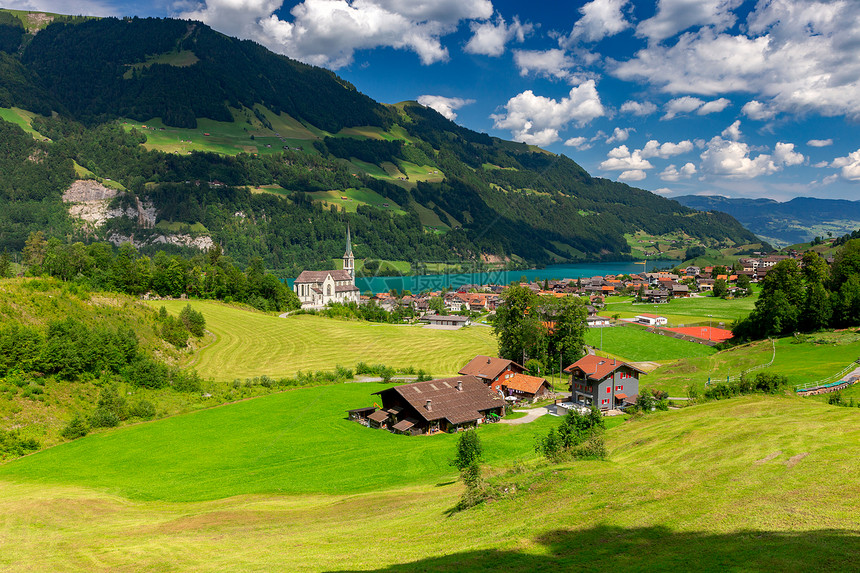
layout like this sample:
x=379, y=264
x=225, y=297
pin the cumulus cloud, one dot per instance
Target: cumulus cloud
x=654, y=149
x=632, y=175
x=733, y=131
x=638, y=108
x=732, y=159
x=619, y=134
x=537, y=119
x=553, y=63
x=675, y=16
x=671, y=173
x=794, y=56
x=581, y=143
x=328, y=32
x=715, y=106
x=600, y=18
x=819, y=142
x=850, y=166
x=758, y=111
x=489, y=38
x=681, y=105
x=444, y=105
x=621, y=159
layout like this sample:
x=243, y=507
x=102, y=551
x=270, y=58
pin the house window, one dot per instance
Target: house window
x=328, y=290
x=619, y=388
x=609, y=389
x=604, y=401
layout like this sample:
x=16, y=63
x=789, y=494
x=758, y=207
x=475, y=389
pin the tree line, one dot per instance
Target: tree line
x=806, y=297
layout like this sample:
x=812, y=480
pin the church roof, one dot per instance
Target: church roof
x=348, y=252
x=320, y=276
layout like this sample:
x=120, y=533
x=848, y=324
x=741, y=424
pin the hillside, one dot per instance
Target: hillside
x=204, y=138
x=796, y=221
x=758, y=483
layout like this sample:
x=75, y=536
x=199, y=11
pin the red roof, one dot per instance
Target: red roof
x=525, y=383
x=598, y=367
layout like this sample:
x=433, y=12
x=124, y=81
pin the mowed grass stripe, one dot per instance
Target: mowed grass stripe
x=254, y=344
x=294, y=442
x=637, y=344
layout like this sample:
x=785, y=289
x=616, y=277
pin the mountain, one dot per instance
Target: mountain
x=190, y=137
x=796, y=221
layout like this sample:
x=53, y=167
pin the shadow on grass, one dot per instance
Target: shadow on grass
x=610, y=548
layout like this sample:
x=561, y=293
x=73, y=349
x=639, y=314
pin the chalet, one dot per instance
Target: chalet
x=680, y=291
x=692, y=270
x=651, y=319
x=492, y=371
x=446, y=320
x=595, y=321
x=443, y=405
x=603, y=382
x=525, y=388
x=656, y=295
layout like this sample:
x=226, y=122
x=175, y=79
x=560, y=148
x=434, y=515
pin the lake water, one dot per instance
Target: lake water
x=420, y=283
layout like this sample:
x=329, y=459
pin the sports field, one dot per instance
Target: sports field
x=253, y=344
x=685, y=311
x=637, y=344
x=753, y=484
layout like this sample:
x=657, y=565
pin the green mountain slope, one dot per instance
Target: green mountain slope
x=270, y=157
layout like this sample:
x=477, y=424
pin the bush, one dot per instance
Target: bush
x=76, y=428
x=469, y=450
x=103, y=418
x=173, y=331
x=142, y=409
x=193, y=321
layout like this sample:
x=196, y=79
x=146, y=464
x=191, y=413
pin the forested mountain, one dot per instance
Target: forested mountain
x=796, y=221
x=412, y=185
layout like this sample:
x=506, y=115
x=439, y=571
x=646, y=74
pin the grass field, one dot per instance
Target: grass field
x=21, y=118
x=684, y=311
x=820, y=356
x=750, y=484
x=253, y=344
x=350, y=199
x=635, y=344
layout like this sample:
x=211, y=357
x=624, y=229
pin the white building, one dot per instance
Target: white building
x=651, y=319
x=316, y=289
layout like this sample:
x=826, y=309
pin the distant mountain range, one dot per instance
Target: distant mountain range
x=273, y=158
x=797, y=221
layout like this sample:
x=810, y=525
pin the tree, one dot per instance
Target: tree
x=437, y=304
x=814, y=268
x=743, y=281
x=35, y=250
x=469, y=450
x=515, y=325
x=720, y=288
x=846, y=263
x=718, y=270
x=5, y=265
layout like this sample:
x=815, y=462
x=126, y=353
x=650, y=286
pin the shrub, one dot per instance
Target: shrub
x=193, y=321
x=174, y=332
x=103, y=418
x=142, y=409
x=469, y=450
x=76, y=428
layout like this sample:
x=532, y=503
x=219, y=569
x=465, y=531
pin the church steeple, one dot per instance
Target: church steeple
x=348, y=257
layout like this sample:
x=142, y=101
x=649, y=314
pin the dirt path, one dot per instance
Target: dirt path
x=531, y=416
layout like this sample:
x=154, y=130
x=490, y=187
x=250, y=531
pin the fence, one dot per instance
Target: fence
x=830, y=383
x=752, y=369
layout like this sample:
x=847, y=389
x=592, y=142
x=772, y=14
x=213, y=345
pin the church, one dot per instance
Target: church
x=316, y=289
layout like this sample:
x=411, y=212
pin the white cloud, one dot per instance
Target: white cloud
x=715, y=106
x=489, y=38
x=537, y=119
x=758, y=111
x=553, y=63
x=671, y=173
x=581, y=143
x=819, y=142
x=681, y=105
x=796, y=56
x=619, y=135
x=675, y=16
x=663, y=191
x=638, y=108
x=328, y=32
x=654, y=149
x=733, y=131
x=600, y=18
x=632, y=175
x=821, y=164
x=621, y=159
x=732, y=159
x=830, y=179
x=850, y=166
x=444, y=105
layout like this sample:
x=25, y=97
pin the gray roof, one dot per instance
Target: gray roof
x=320, y=276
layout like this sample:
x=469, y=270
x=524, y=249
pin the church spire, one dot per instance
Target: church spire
x=348, y=252
x=348, y=257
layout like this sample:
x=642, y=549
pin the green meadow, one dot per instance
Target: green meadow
x=637, y=344
x=680, y=311
x=756, y=483
x=250, y=344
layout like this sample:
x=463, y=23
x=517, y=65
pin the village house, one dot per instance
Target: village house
x=443, y=405
x=525, y=388
x=596, y=321
x=316, y=289
x=451, y=321
x=651, y=319
x=603, y=382
x=492, y=371
x=656, y=295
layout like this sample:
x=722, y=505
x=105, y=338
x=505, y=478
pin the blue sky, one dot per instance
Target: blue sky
x=756, y=98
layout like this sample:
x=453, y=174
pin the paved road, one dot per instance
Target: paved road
x=531, y=416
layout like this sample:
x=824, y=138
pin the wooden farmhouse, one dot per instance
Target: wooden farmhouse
x=492, y=371
x=603, y=382
x=525, y=388
x=444, y=405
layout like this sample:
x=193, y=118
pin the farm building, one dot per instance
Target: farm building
x=446, y=320
x=603, y=382
x=651, y=319
x=525, y=388
x=492, y=371
x=443, y=405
